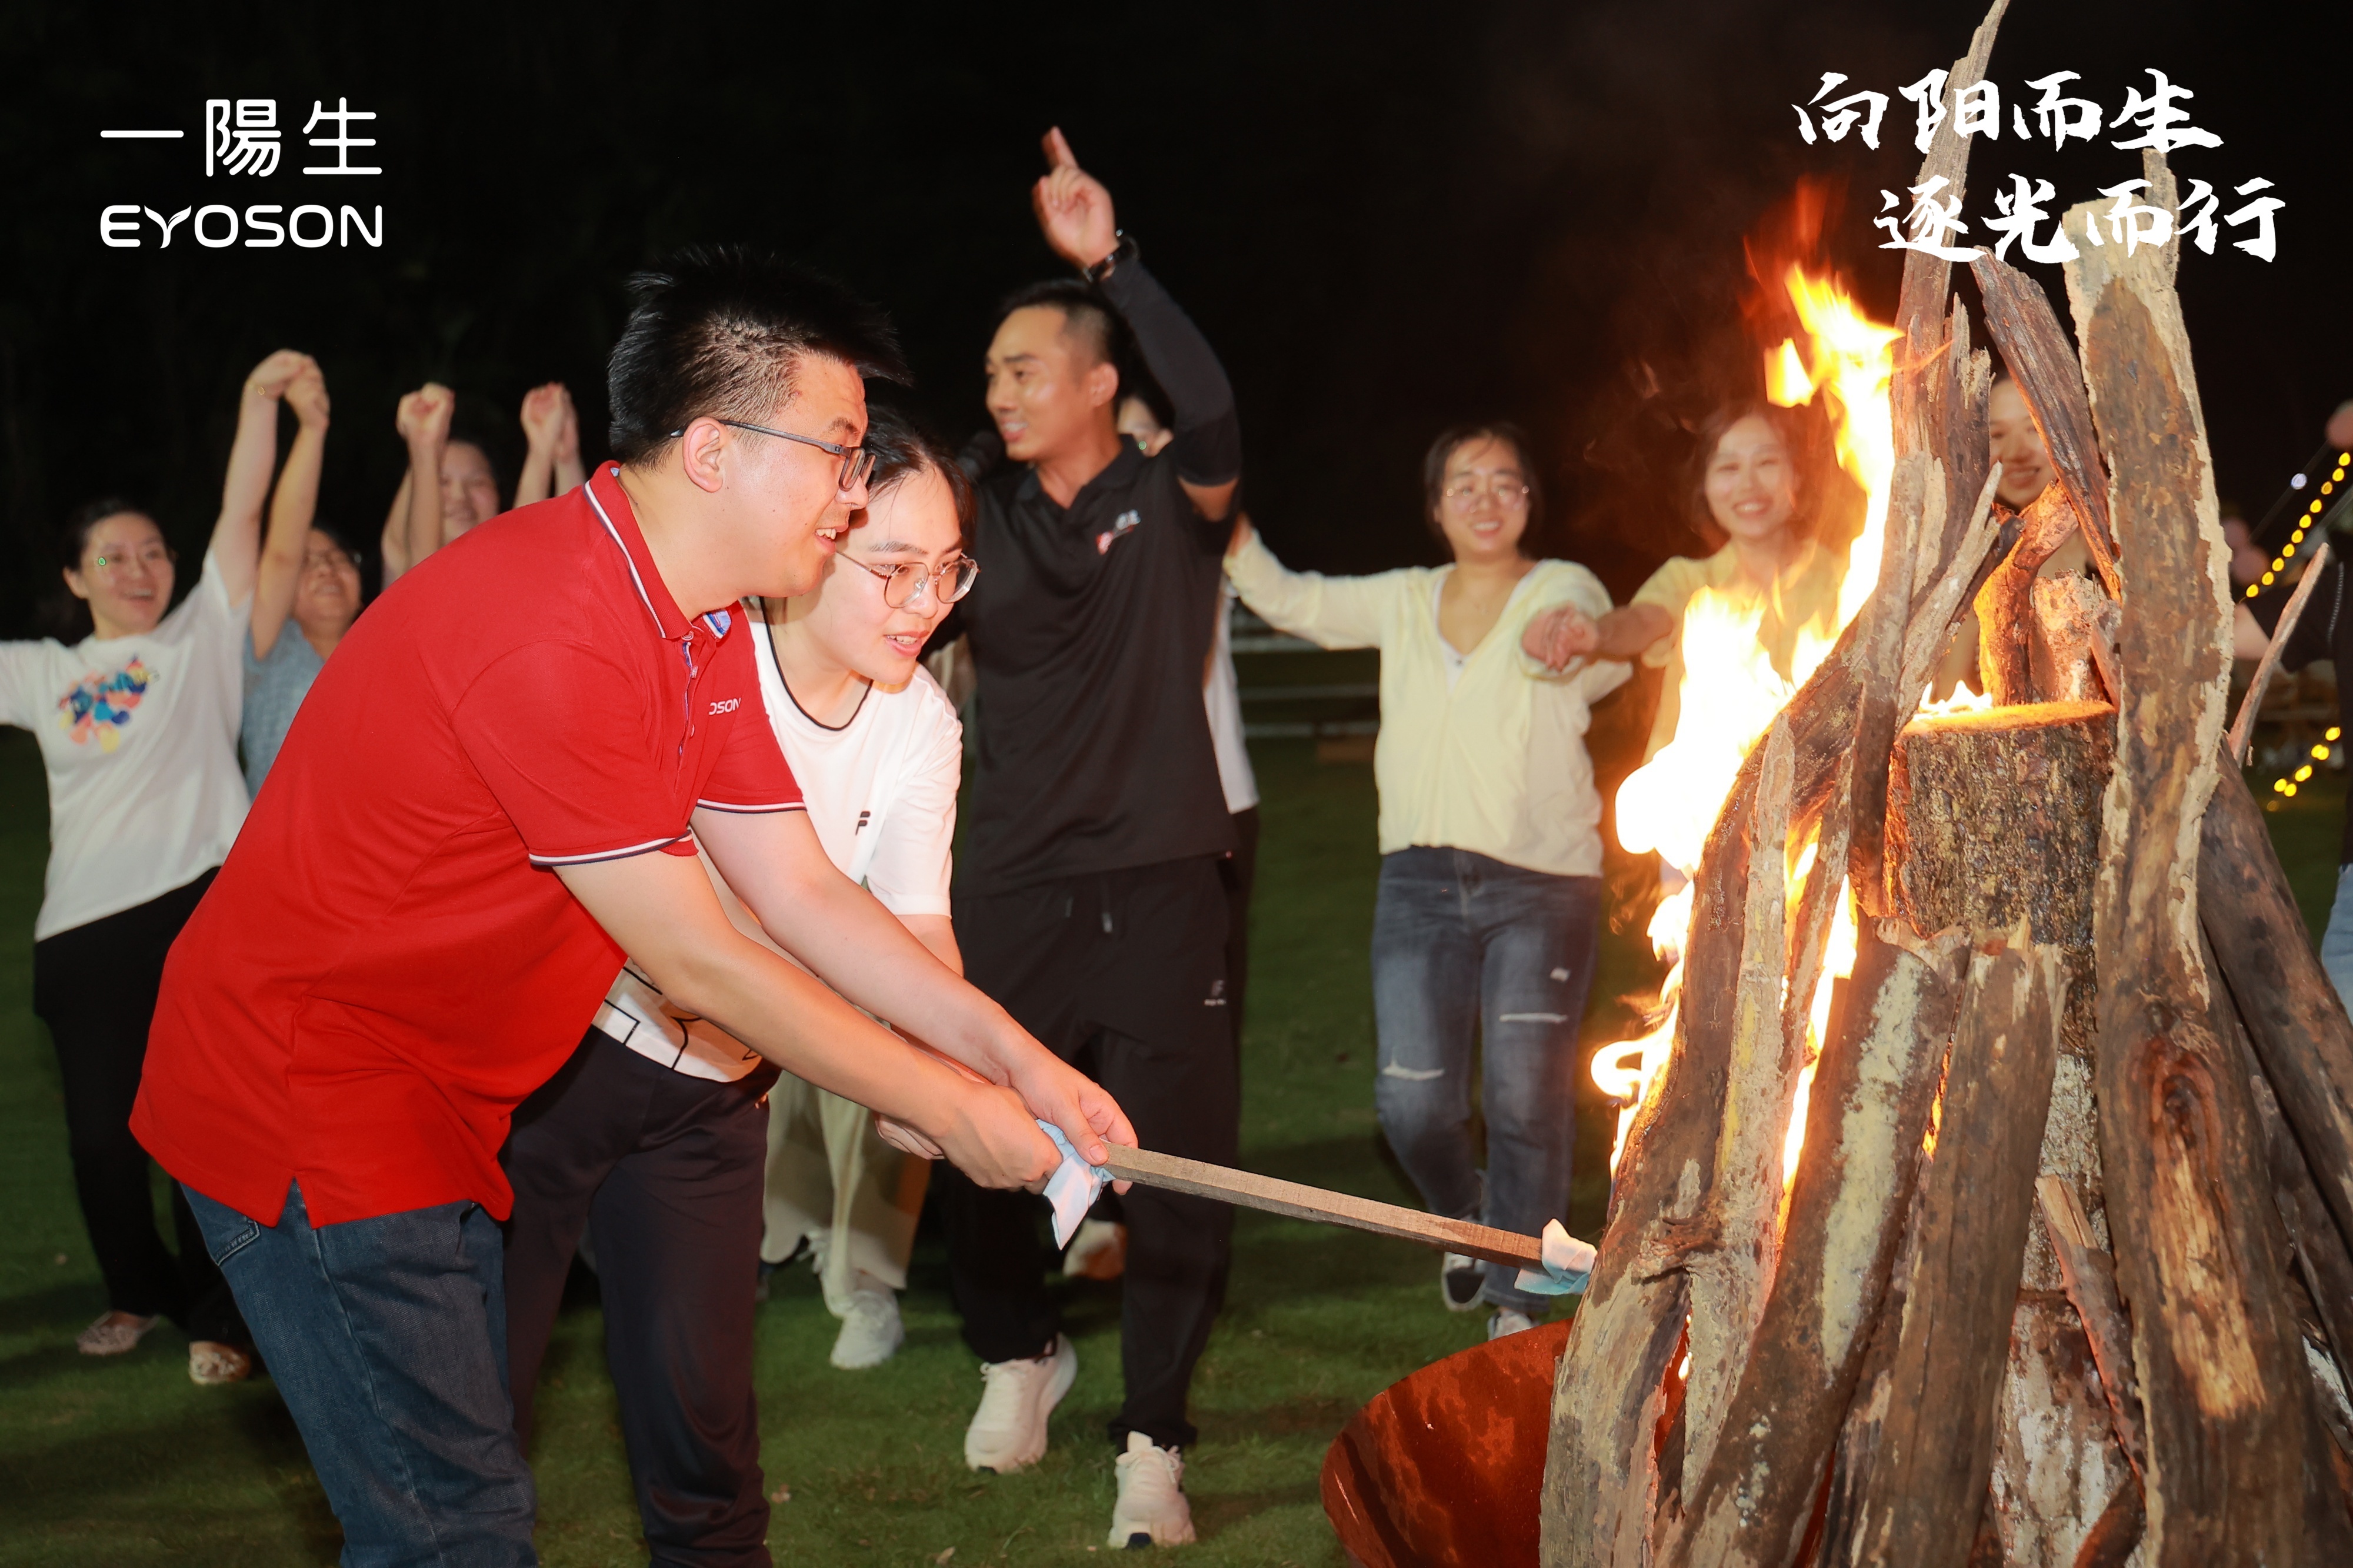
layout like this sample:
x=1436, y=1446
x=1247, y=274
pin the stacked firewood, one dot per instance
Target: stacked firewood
x=2062, y=1276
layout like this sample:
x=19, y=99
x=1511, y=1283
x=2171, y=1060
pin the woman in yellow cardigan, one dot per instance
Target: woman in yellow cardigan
x=1491, y=892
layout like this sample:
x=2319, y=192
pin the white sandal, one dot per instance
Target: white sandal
x=212, y=1364
x=113, y=1333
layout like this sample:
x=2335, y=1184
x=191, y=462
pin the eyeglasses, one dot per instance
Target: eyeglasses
x=857, y=462
x=152, y=557
x=904, y=584
x=1507, y=491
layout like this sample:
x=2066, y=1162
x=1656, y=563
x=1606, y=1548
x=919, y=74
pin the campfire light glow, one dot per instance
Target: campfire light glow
x=1730, y=692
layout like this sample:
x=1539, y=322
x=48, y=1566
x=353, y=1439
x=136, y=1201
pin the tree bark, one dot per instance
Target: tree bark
x=2292, y=1016
x=1866, y=1117
x=2187, y=1206
x=1921, y=1500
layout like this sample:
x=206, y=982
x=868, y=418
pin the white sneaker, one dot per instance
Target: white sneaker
x=1008, y=1430
x=870, y=1331
x=1151, y=1510
x=1508, y=1322
x=1099, y=1251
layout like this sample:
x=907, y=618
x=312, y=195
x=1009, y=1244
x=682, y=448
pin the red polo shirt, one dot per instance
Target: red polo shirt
x=385, y=964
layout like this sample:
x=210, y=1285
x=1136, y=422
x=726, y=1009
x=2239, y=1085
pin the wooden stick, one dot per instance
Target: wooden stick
x=2223, y=1382
x=2242, y=728
x=1175, y=1173
x=2091, y=1280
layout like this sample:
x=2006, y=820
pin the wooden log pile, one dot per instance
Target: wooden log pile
x=2065, y=1275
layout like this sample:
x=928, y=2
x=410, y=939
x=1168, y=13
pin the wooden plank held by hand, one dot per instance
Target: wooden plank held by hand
x=1176, y=1174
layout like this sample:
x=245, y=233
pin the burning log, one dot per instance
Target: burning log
x=2212, y=1339
x=1869, y=1109
x=1922, y=1487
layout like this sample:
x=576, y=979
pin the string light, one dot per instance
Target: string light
x=2319, y=753
x=2253, y=589
x=2289, y=790
x=2330, y=734
x=2303, y=773
x=2267, y=578
x=2289, y=549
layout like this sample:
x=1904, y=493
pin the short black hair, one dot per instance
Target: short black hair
x=1086, y=315
x=903, y=448
x=1441, y=452
x=720, y=331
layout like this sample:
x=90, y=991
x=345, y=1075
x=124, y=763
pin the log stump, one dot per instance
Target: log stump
x=1992, y=817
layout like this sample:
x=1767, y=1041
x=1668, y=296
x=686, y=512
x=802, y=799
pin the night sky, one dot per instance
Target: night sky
x=1387, y=218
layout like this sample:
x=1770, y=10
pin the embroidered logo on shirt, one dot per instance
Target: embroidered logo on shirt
x=99, y=705
x=1119, y=526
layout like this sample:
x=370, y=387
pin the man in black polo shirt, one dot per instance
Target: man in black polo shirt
x=1088, y=898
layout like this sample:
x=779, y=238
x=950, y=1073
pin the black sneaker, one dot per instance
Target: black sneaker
x=1459, y=1278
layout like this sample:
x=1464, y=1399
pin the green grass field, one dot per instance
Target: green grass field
x=125, y=1463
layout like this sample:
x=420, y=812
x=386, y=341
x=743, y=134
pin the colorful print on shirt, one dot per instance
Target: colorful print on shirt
x=99, y=706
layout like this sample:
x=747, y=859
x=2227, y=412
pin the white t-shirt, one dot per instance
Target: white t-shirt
x=881, y=794
x=1224, y=697
x=139, y=738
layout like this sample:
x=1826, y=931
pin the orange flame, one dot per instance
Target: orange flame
x=1730, y=692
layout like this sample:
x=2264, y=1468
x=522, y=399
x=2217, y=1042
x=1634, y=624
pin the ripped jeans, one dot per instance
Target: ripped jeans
x=1466, y=947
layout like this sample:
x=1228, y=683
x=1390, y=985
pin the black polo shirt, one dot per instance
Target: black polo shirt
x=1089, y=631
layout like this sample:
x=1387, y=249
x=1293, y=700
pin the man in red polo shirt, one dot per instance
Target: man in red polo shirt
x=493, y=792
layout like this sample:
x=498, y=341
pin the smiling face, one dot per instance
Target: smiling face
x=1752, y=482
x=470, y=489
x=2017, y=446
x=1047, y=388
x=1482, y=506
x=781, y=500
x=125, y=574
x=848, y=618
x=327, y=594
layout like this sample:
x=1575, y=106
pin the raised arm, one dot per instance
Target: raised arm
x=237, y=535
x=422, y=421
x=774, y=864
x=292, y=507
x=542, y=423
x=1075, y=212
x=570, y=472
x=660, y=909
x=1330, y=612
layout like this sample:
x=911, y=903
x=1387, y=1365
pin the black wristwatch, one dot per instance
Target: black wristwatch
x=1126, y=249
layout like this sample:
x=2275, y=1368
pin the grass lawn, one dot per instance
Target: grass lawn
x=125, y=1463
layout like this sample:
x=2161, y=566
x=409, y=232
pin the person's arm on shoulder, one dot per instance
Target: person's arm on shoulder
x=292, y=507
x=1330, y=612
x=1075, y=212
x=774, y=864
x=236, y=546
x=422, y=421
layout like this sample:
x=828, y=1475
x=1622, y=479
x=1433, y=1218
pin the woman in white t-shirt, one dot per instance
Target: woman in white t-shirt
x=137, y=721
x=657, y=1138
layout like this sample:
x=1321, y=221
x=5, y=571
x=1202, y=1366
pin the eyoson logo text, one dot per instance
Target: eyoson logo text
x=263, y=226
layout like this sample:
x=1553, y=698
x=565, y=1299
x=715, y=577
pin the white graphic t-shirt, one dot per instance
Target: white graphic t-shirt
x=139, y=737
x=881, y=794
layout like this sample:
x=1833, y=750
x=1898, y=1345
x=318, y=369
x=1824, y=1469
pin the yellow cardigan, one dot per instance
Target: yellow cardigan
x=1496, y=765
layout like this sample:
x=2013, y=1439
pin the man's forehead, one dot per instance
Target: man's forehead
x=827, y=397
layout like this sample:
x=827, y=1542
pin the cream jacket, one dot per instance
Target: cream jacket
x=1497, y=765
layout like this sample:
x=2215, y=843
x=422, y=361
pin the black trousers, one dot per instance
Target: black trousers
x=95, y=987
x=1122, y=973
x=665, y=1171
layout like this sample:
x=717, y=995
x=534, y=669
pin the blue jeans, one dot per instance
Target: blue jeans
x=386, y=1338
x=2336, y=942
x=1465, y=946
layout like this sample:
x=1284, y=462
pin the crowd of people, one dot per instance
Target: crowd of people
x=692, y=802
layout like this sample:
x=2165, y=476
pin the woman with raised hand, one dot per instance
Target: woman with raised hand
x=306, y=594
x=137, y=717
x=1489, y=912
